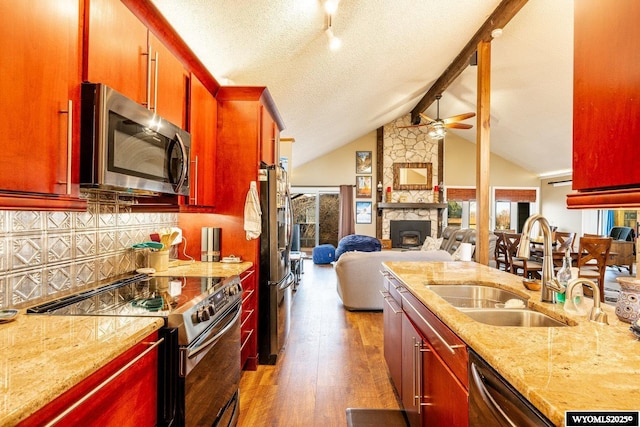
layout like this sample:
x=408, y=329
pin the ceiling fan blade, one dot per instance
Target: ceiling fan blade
x=459, y=117
x=427, y=118
x=458, y=126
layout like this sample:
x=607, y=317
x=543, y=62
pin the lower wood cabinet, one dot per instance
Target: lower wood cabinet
x=430, y=360
x=392, y=314
x=122, y=393
x=249, y=325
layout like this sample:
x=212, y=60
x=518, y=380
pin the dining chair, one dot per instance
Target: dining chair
x=563, y=242
x=501, y=256
x=528, y=267
x=592, y=260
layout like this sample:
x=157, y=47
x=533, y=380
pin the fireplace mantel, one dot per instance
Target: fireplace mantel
x=412, y=205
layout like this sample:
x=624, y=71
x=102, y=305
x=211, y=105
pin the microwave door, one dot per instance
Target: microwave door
x=177, y=166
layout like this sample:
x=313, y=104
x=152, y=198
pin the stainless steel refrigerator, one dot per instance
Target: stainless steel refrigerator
x=275, y=278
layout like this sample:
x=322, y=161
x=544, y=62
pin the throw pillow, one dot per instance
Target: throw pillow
x=431, y=243
x=456, y=255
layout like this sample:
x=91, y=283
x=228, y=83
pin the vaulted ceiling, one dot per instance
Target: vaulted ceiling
x=391, y=54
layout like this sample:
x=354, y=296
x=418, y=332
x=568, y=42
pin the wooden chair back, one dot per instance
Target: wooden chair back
x=564, y=240
x=501, y=257
x=512, y=241
x=594, y=252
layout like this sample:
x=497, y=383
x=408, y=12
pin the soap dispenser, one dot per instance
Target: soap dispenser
x=564, y=275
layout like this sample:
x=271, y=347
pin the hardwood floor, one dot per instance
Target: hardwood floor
x=333, y=361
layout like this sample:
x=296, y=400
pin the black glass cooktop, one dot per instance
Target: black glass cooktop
x=136, y=295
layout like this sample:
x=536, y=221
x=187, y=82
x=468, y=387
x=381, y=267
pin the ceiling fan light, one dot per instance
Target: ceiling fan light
x=437, y=131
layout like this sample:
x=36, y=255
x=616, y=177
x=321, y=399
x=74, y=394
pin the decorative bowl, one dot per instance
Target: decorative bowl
x=532, y=284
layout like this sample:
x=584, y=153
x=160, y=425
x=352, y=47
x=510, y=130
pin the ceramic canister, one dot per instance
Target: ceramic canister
x=628, y=304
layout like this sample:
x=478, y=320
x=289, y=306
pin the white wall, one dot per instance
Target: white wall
x=339, y=168
x=554, y=206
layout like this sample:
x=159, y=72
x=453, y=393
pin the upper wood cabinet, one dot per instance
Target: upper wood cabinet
x=169, y=84
x=123, y=54
x=269, y=135
x=203, y=116
x=39, y=112
x=116, y=49
x=606, y=104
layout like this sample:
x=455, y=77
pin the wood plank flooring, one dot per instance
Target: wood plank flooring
x=333, y=361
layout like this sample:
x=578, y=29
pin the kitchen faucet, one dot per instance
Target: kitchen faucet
x=550, y=285
x=597, y=314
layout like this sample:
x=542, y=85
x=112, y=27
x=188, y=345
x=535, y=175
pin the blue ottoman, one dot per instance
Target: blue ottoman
x=324, y=254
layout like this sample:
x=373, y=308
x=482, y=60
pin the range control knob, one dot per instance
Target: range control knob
x=203, y=315
x=210, y=310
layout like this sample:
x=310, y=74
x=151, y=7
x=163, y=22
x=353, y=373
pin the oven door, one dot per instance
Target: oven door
x=210, y=374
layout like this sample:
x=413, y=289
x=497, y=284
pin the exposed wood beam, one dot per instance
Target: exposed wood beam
x=500, y=17
x=483, y=152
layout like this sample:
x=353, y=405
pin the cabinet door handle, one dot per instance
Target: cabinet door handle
x=148, y=94
x=69, y=113
x=155, y=86
x=195, y=180
x=449, y=347
x=106, y=382
x=387, y=298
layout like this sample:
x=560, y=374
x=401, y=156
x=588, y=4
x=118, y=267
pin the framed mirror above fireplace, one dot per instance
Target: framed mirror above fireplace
x=412, y=176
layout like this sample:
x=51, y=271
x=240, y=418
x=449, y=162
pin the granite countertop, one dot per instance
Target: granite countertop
x=587, y=366
x=44, y=356
x=205, y=269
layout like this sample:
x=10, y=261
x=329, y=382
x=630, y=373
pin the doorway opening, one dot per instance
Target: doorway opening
x=316, y=211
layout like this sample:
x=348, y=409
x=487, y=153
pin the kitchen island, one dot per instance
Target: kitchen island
x=584, y=366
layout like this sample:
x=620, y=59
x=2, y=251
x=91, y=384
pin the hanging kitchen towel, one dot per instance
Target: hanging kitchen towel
x=252, y=213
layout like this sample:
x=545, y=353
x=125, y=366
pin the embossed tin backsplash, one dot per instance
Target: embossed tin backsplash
x=45, y=253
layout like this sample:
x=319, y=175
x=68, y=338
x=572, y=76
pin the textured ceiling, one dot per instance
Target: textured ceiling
x=391, y=53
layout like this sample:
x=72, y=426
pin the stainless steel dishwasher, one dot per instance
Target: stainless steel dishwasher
x=494, y=402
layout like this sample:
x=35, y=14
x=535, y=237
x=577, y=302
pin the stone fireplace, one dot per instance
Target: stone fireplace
x=409, y=145
x=409, y=234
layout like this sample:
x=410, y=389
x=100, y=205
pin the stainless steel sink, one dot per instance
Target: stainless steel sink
x=512, y=317
x=474, y=296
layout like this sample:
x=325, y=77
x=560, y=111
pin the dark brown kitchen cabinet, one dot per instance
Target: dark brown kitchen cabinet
x=122, y=53
x=203, y=129
x=39, y=112
x=122, y=393
x=433, y=362
x=606, y=104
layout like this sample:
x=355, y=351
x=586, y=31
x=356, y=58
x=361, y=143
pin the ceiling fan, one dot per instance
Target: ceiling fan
x=437, y=127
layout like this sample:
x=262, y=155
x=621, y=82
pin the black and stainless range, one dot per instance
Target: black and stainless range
x=199, y=371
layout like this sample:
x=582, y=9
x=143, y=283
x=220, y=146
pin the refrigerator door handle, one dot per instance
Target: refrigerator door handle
x=290, y=212
x=284, y=283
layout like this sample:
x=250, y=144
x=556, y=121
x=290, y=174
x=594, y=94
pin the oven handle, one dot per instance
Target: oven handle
x=217, y=336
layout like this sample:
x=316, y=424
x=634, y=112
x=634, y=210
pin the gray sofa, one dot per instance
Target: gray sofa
x=359, y=278
x=452, y=236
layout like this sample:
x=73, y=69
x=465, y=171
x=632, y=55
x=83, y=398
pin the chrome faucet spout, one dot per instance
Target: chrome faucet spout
x=597, y=314
x=550, y=285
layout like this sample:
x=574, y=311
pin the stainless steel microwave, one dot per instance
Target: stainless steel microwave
x=125, y=147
